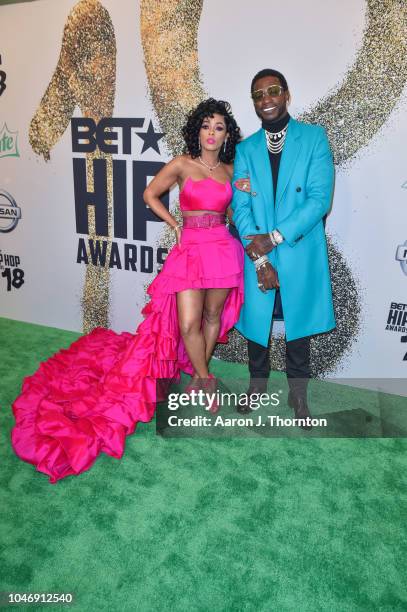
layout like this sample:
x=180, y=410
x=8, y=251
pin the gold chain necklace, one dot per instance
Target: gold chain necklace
x=210, y=168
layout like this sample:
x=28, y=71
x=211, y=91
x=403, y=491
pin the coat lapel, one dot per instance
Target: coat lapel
x=291, y=149
x=262, y=168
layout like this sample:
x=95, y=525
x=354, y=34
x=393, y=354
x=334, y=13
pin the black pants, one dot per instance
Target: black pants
x=297, y=363
x=297, y=360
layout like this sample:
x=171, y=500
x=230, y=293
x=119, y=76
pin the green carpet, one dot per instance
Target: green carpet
x=203, y=524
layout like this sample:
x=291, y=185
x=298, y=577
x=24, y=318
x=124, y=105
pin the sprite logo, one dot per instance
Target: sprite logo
x=8, y=143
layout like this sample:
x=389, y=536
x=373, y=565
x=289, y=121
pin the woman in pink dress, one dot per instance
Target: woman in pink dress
x=86, y=399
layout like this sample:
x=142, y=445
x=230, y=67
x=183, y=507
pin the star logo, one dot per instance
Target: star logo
x=150, y=138
x=8, y=143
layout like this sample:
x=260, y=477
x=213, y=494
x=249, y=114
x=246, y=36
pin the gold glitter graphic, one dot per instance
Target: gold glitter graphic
x=352, y=115
x=85, y=76
x=169, y=34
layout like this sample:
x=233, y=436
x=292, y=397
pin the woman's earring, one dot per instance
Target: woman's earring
x=224, y=146
x=199, y=145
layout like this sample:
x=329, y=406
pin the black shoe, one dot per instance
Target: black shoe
x=299, y=404
x=254, y=389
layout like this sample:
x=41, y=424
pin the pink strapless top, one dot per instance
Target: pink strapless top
x=205, y=194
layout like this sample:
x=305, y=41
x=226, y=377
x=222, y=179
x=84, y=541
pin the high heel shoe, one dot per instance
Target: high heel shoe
x=193, y=386
x=209, y=385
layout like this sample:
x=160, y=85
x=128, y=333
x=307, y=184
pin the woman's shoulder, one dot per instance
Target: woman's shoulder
x=181, y=161
x=177, y=165
x=183, y=158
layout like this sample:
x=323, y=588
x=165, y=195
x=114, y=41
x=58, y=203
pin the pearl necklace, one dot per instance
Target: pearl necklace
x=275, y=140
x=210, y=168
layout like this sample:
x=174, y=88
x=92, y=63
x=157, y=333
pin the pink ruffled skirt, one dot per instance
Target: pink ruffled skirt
x=86, y=399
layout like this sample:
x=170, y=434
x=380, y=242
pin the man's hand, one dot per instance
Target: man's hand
x=260, y=245
x=267, y=278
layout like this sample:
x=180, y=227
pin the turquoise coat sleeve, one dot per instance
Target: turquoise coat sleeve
x=241, y=203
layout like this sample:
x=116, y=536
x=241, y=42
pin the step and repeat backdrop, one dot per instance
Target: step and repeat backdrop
x=93, y=95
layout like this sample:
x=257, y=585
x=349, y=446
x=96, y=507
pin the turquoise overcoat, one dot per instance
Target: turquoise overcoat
x=304, y=194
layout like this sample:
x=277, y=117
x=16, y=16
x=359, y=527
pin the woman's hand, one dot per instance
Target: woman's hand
x=178, y=232
x=243, y=184
x=229, y=215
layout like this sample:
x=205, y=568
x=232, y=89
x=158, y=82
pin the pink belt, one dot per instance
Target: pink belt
x=203, y=221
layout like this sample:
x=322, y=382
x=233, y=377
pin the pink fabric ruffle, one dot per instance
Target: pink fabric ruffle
x=86, y=399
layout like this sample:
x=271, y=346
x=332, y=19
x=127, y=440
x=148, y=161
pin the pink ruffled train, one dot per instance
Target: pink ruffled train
x=86, y=399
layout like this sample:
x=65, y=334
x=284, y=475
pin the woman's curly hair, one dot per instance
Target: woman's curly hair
x=206, y=109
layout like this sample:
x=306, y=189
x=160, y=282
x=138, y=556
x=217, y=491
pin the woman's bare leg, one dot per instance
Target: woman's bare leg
x=190, y=305
x=212, y=311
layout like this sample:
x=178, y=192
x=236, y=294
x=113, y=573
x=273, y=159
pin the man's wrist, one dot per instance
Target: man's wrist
x=275, y=237
x=260, y=262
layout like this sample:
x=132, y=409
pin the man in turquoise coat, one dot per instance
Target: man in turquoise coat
x=280, y=219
